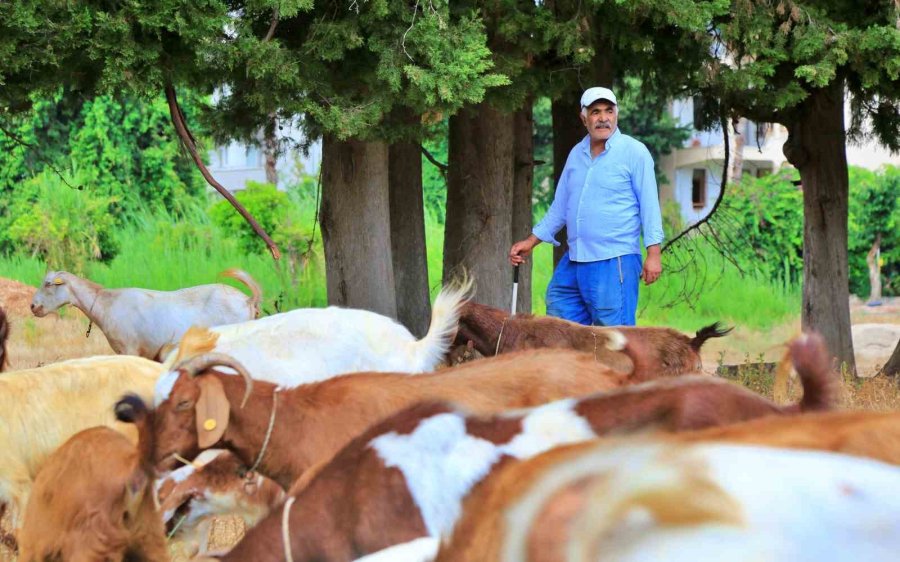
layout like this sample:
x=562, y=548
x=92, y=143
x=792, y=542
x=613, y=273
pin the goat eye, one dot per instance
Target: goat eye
x=183, y=405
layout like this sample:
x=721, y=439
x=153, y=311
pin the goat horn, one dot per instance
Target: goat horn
x=200, y=363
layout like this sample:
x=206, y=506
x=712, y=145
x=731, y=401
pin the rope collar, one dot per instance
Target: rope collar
x=286, y=528
x=265, y=444
x=500, y=336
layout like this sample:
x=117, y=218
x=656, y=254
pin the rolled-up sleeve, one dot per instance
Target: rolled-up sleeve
x=555, y=218
x=644, y=185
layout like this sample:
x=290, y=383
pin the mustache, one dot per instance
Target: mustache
x=603, y=126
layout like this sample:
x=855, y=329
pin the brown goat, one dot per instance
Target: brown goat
x=308, y=424
x=93, y=498
x=406, y=476
x=665, y=352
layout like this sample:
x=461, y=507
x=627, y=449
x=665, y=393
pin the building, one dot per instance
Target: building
x=694, y=172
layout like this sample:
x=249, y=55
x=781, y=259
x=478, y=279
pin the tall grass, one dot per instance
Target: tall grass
x=161, y=252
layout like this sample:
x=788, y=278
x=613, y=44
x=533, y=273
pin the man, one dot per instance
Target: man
x=605, y=197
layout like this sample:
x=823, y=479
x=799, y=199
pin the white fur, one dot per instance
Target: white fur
x=441, y=462
x=313, y=344
x=789, y=505
x=423, y=549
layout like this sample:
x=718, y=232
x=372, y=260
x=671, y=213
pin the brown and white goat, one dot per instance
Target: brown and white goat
x=407, y=476
x=665, y=351
x=215, y=484
x=308, y=424
x=633, y=500
x=144, y=322
x=93, y=499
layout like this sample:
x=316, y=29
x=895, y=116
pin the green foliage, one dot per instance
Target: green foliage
x=64, y=226
x=770, y=230
x=874, y=212
x=262, y=200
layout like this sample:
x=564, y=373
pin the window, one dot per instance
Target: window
x=698, y=189
x=699, y=117
x=252, y=160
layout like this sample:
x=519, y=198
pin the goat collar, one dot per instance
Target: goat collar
x=265, y=444
x=286, y=528
x=500, y=336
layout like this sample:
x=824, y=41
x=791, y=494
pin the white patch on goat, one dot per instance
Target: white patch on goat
x=549, y=426
x=441, y=462
x=164, y=385
x=423, y=549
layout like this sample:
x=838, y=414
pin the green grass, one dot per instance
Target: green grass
x=158, y=252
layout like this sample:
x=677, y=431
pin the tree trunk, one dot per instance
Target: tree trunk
x=408, y=237
x=816, y=146
x=523, y=130
x=478, y=230
x=567, y=132
x=737, y=150
x=270, y=150
x=892, y=367
x=872, y=260
x=355, y=219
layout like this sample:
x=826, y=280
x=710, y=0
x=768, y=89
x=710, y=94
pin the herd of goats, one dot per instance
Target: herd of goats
x=336, y=435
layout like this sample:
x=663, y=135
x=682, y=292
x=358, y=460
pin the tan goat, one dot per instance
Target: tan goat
x=41, y=408
x=664, y=351
x=93, y=499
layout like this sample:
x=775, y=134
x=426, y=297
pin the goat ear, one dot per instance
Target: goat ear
x=134, y=491
x=212, y=411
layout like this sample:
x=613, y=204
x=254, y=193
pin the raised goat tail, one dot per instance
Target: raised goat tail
x=714, y=330
x=445, y=312
x=246, y=279
x=812, y=362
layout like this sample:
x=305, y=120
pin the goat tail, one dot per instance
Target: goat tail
x=131, y=409
x=812, y=362
x=431, y=350
x=246, y=279
x=714, y=330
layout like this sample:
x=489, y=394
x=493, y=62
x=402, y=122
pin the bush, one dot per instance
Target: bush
x=65, y=227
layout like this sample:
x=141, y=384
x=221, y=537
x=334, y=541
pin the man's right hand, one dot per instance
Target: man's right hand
x=521, y=249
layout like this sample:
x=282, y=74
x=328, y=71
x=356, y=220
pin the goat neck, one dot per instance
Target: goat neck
x=481, y=324
x=247, y=428
x=90, y=298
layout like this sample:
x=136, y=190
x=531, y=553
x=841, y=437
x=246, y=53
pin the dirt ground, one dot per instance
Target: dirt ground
x=39, y=341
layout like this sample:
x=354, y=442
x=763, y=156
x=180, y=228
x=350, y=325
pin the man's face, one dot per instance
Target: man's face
x=601, y=120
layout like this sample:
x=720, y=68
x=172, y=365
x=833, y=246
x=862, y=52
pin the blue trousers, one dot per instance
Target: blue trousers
x=602, y=293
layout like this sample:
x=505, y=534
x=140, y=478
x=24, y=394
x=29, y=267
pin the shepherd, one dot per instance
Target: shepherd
x=605, y=197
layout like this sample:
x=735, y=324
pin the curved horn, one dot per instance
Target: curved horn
x=202, y=362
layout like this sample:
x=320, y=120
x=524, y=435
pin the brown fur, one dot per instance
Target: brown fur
x=314, y=421
x=355, y=505
x=660, y=351
x=93, y=501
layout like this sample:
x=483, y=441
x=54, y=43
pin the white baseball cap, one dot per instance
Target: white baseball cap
x=597, y=93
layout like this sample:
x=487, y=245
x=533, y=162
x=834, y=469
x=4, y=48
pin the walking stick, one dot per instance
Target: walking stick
x=515, y=289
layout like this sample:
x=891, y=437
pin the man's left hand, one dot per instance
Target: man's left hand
x=652, y=265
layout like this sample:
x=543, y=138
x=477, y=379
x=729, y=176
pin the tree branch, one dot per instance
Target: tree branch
x=698, y=224
x=272, y=26
x=188, y=140
x=442, y=167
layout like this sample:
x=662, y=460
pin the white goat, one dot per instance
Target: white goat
x=145, y=322
x=314, y=344
x=41, y=408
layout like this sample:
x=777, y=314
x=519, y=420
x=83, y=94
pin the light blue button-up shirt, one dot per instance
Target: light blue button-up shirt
x=605, y=201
